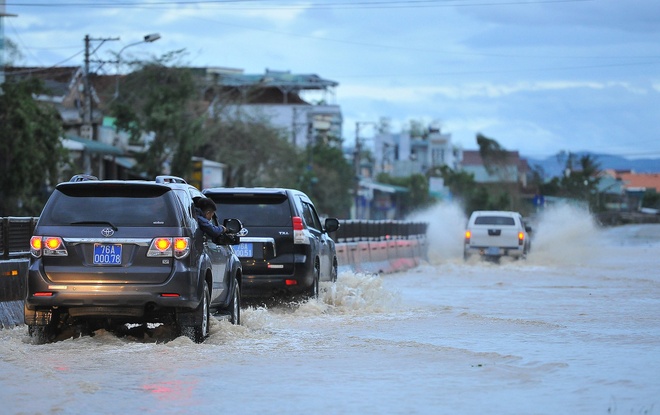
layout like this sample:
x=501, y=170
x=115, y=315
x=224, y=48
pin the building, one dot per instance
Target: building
x=301, y=104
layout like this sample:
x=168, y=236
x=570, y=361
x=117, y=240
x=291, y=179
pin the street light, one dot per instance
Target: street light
x=152, y=37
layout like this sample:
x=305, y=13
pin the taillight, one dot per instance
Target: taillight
x=168, y=247
x=468, y=235
x=299, y=235
x=36, y=244
x=521, y=238
x=181, y=247
x=47, y=246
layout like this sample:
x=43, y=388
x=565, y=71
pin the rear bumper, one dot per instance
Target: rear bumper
x=270, y=278
x=486, y=251
x=179, y=291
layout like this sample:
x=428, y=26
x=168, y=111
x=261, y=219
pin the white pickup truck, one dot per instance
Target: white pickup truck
x=492, y=234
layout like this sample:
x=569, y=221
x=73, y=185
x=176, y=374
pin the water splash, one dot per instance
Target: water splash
x=445, y=232
x=565, y=235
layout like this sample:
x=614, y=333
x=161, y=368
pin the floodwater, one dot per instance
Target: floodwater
x=575, y=329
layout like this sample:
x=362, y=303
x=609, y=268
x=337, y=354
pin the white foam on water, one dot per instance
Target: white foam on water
x=445, y=232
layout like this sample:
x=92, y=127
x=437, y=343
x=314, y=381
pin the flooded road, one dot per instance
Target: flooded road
x=574, y=329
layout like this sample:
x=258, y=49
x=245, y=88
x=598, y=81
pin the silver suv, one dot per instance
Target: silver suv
x=110, y=253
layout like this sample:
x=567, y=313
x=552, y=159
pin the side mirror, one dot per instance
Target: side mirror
x=233, y=225
x=331, y=224
x=528, y=228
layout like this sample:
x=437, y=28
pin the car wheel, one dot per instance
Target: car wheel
x=314, y=289
x=40, y=334
x=198, y=332
x=44, y=333
x=333, y=275
x=235, y=306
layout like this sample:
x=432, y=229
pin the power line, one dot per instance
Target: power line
x=339, y=5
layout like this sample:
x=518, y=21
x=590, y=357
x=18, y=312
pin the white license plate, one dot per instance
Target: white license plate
x=107, y=254
x=244, y=250
x=493, y=251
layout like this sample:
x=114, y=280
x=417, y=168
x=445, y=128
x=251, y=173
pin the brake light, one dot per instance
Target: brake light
x=521, y=238
x=299, y=234
x=163, y=244
x=36, y=243
x=181, y=247
x=169, y=247
x=291, y=282
x=47, y=246
x=468, y=235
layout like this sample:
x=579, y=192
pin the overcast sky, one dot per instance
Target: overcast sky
x=538, y=76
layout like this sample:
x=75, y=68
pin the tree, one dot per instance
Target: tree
x=327, y=178
x=161, y=100
x=31, y=152
x=417, y=196
x=256, y=153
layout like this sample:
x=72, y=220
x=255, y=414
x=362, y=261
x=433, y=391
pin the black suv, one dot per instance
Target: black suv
x=112, y=253
x=284, y=249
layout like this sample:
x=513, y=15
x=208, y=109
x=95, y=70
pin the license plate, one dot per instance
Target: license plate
x=107, y=254
x=493, y=251
x=244, y=249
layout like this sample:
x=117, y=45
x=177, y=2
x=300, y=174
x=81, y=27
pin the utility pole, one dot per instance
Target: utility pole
x=87, y=128
x=2, y=42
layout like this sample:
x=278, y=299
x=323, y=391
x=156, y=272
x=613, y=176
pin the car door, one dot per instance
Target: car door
x=320, y=238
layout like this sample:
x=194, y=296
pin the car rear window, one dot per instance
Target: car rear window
x=119, y=206
x=254, y=210
x=494, y=220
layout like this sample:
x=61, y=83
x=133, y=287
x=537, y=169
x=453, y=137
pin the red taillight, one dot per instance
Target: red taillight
x=291, y=282
x=36, y=243
x=162, y=244
x=170, y=295
x=47, y=246
x=165, y=247
x=180, y=244
x=43, y=294
x=297, y=223
x=53, y=243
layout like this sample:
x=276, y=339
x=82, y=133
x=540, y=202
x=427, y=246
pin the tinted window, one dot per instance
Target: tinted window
x=118, y=208
x=254, y=210
x=311, y=218
x=494, y=220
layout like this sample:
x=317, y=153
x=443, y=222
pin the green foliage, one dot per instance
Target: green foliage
x=328, y=179
x=473, y=196
x=580, y=180
x=30, y=149
x=417, y=197
x=494, y=156
x=161, y=100
x=256, y=153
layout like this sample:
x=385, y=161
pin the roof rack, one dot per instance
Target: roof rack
x=83, y=178
x=170, y=179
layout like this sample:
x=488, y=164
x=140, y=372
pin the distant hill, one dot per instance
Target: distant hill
x=552, y=166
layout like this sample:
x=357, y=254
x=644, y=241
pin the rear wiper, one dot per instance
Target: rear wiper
x=100, y=222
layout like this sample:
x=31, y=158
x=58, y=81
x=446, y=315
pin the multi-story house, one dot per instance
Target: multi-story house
x=301, y=104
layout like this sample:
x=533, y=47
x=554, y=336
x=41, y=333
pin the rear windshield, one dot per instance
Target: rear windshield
x=494, y=220
x=115, y=207
x=261, y=210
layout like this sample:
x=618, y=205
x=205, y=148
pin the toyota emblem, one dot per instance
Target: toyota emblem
x=107, y=232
